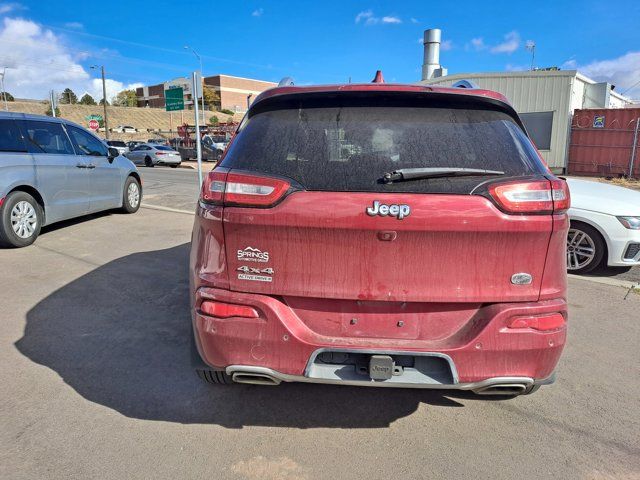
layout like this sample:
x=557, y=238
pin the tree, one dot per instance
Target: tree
x=87, y=100
x=101, y=102
x=126, y=98
x=211, y=97
x=8, y=95
x=68, y=97
x=214, y=120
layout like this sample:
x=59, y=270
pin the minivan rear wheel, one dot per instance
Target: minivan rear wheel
x=20, y=220
x=216, y=377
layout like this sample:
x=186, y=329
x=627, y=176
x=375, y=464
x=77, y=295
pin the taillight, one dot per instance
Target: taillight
x=539, y=196
x=543, y=323
x=242, y=189
x=227, y=310
x=160, y=153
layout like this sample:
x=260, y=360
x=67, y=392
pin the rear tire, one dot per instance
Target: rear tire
x=215, y=377
x=20, y=220
x=148, y=162
x=131, y=195
x=585, y=248
x=176, y=165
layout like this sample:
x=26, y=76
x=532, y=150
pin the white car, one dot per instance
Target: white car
x=605, y=226
x=124, y=129
x=118, y=145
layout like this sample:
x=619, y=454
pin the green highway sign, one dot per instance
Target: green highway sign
x=174, y=99
x=94, y=117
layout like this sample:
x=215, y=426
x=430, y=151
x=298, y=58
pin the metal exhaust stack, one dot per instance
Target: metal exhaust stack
x=431, y=67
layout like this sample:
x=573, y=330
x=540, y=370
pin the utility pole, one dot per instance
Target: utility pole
x=104, y=101
x=4, y=93
x=202, y=78
x=531, y=46
x=53, y=104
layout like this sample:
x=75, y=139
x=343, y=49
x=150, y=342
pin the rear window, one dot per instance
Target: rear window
x=115, y=143
x=349, y=148
x=161, y=147
x=10, y=137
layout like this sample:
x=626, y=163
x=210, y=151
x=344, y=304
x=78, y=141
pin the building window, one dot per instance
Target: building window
x=539, y=126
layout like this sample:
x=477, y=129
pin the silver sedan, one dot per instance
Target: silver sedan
x=150, y=155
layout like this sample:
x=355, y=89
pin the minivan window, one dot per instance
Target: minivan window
x=350, y=148
x=47, y=137
x=10, y=137
x=87, y=144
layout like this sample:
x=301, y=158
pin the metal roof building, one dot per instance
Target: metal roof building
x=545, y=99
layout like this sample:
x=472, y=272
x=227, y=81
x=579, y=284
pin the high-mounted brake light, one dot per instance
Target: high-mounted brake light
x=242, y=189
x=541, y=196
x=227, y=310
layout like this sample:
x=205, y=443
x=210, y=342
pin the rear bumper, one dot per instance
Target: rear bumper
x=281, y=346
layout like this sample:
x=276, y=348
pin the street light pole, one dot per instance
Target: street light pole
x=104, y=101
x=201, y=78
x=4, y=93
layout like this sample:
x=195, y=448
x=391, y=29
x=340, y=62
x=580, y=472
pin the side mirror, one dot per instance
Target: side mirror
x=113, y=153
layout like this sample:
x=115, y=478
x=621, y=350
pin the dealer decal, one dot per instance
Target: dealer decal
x=251, y=254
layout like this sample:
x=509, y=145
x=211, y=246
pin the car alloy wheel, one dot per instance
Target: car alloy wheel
x=133, y=194
x=581, y=249
x=24, y=219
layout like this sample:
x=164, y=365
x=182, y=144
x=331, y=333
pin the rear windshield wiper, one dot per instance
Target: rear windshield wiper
x=406, y=174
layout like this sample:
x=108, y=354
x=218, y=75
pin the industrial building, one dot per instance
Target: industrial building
x=236, y=93
x=545, y=99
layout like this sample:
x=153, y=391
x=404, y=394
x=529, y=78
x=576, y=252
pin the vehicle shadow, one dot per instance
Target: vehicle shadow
x=119, y=336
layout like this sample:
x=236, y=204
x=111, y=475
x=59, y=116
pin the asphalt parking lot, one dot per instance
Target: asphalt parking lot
x=97, y=383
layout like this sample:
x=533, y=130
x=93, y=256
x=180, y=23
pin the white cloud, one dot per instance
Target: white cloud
x=570, y=64
x=258, y=12
x=509, y=67
x=622, y=71
x=368, y=18
x=414, y=20
x=38, y=61
x=510, y=44
x=113, y=88
x=477, y=44
x=446, y=45
x=364, y=16
x=74, y=25
x=10, y=7
x=391, y=19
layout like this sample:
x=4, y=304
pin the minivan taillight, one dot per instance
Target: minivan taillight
x=242, y=189
x=540, y=196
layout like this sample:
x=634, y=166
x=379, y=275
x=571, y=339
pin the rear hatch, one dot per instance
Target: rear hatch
x=308, y=211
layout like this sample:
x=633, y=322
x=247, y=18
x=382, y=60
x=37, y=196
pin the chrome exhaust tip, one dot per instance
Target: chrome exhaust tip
x=254, y=378
x=502, y=389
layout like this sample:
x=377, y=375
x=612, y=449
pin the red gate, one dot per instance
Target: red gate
x=604, y=142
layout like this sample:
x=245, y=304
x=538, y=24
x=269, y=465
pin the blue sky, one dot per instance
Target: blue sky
x=46, y=44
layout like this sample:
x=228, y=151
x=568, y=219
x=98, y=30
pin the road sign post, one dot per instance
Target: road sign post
x=198, y=139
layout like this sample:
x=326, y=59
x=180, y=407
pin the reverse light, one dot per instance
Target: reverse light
x=632, y=223
x=543, y=323
x=242, y=189
x=227, y=310
x=540, y=196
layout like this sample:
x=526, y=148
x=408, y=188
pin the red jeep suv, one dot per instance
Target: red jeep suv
x=381, y=235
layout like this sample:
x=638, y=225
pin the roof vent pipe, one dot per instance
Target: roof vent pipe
x=378, y=78
x=431, y=67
